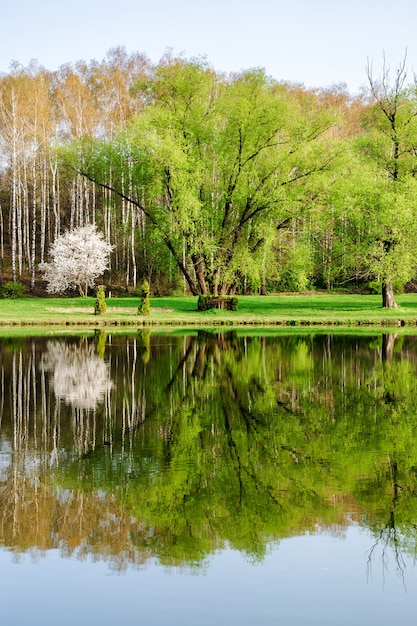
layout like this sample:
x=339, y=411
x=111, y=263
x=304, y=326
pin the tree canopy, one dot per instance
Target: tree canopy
x=210, y=183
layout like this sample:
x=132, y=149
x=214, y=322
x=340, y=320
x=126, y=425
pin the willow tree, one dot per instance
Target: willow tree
x=389, y=144
x=374, y=225
x=216, y=166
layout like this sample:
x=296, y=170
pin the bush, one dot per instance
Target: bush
x=145, y=305
x=100, y=306
x=13, y=289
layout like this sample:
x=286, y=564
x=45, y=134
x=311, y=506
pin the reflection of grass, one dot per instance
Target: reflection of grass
x=288, y=310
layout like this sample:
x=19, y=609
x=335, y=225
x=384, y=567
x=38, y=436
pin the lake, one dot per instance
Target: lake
x=206, y=477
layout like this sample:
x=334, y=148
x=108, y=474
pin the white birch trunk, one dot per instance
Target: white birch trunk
x=33, y=233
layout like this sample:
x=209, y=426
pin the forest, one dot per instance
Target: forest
x=204, y=182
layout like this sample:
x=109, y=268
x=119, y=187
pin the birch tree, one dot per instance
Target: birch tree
x=26, y=136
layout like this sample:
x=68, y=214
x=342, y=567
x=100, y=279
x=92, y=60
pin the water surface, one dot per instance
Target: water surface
x=215, y=477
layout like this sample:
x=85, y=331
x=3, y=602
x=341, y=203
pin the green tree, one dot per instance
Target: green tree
x=217, y=165
x=389, y=144
x=100, y=306
x=145, y=304
x=367, y=230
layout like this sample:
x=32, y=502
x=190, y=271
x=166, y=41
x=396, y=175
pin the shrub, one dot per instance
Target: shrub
x=13, y=289
x=100, y=306
x=145, y=305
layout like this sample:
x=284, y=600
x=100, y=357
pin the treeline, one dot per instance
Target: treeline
x=210, y=183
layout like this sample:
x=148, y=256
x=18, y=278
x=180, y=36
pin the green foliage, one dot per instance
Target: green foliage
x=100, y=306
x=216, y=165
x=387, y=149
x=375, y=286
x=13, y=289
x=240, y=184
x=298, y=270
x=368, y=227
x=145, y=305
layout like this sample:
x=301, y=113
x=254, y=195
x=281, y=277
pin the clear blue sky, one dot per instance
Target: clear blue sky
x=314, y=42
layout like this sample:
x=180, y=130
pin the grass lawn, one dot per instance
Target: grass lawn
x=285, y=310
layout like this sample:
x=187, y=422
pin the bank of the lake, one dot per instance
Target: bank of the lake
x=310, y=309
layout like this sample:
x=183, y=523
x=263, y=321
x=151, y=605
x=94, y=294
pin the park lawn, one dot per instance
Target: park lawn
x=294, y=309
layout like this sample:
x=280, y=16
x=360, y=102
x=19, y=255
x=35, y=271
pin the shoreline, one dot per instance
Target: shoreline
x=145, y=323
x=312, y=311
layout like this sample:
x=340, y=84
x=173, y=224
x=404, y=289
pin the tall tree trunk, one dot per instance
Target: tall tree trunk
x=388, y=300
x=33, y=233
x=45, y=213
x=132, y=243
x=198, y=264
x=55, y=202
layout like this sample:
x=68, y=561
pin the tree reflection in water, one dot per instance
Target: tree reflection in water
x=77, y=374
x=173, y=447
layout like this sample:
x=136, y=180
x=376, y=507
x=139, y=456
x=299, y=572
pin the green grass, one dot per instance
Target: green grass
x=286, y=310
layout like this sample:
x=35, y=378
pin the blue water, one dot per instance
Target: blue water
x=315, y=579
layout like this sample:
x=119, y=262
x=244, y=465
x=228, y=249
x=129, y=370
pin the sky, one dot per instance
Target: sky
x=318, y=43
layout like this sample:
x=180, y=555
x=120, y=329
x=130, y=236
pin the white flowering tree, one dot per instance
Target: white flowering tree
x=78, y=258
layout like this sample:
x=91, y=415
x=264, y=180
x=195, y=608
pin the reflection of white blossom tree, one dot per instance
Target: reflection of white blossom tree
x=78, y=375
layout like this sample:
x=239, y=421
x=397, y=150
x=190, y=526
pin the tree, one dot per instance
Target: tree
x=26, y=128
x=369, y=226
x=79, y=256
x=217, y=166
x=390, y=143
x=100, y=306
x=145, y=305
